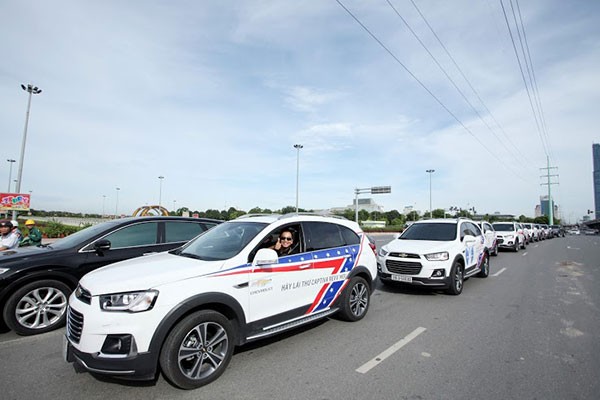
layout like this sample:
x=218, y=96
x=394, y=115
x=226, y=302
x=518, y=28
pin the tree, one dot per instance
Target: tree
x=412, y=216
x=438, y=213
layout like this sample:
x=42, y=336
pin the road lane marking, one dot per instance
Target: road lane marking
x=524, y=254
x=499, y=272
x=366, y=367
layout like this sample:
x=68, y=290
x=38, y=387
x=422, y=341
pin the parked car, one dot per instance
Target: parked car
x=435, y=253
x=533, y=231
x=189, y=309
x=557, y=230
x=491, y=239
x=509, y=235
x=35, y=282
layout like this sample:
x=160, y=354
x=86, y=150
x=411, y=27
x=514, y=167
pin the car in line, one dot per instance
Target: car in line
x=36, y=282
x=490, y=236
x=192, y=306
x=510, y=236
x=435, y=253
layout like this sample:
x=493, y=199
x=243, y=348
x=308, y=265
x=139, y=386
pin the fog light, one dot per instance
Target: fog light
x=117, y=344
x=438, y=273
x=378, y=267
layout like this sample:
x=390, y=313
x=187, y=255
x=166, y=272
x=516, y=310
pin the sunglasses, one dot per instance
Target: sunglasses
x=285, y=238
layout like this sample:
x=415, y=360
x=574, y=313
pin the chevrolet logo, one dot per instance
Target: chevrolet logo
x=402, y=255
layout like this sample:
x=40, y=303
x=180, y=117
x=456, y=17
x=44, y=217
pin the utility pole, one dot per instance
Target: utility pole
x=549, y=183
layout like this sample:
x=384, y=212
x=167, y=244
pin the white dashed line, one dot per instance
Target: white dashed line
x=366, y=367
x=499, y=272
x=524, y=254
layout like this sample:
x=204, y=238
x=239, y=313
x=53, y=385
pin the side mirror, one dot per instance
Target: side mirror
x=102, y=245
x=265, y=257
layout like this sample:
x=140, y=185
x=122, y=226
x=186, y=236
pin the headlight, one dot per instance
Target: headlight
x=383, y=252
x=3, y=270
x=510, y=237
x=442, y=256
x=130, y=302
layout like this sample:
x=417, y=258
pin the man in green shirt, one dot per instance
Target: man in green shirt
x=35, y=236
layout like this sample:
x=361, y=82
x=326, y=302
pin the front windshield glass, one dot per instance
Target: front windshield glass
x=430, y=231
x=81, y=236
x=223, y=241
x=504, y=227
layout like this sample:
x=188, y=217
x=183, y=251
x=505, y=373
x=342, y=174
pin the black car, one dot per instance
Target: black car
x=36, y=282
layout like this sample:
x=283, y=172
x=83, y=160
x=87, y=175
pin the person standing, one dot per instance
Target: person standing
x=8, y=238
x=34, y=238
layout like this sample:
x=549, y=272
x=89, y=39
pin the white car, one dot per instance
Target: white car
x=533, y=231
x=491, y=239
x=182, y=312
x=510, y=235
x=435, y=253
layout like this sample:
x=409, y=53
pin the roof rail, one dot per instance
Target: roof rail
x=258, y=215
x=313, y=214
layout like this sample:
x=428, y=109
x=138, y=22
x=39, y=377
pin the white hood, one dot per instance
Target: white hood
x=416, y=246
x=146, y=272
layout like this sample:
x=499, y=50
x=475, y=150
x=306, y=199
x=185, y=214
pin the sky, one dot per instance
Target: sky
x=213, y=95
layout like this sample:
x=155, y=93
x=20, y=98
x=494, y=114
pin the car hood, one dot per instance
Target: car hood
x=146, y=272
x=416, y=246
x=21, y=253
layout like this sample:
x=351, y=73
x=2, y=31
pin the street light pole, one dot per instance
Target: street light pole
x=160, y=179
x=31, y=90
x=103, y=203
x=11, y=161
x=117, y=204
x=430, y=172
x=297, y=147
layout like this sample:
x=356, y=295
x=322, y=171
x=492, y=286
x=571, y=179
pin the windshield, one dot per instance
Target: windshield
x=504, y=227
x=81, y=236
x=223, y=241
x=430, y=231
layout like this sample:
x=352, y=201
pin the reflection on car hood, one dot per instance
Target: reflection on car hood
x=145, y=272
x=23, y=252
x=416, y=246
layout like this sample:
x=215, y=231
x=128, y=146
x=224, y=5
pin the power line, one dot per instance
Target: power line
x=374, y=37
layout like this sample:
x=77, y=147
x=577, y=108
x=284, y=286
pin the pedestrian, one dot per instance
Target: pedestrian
x=16, y=229
x=34, y=238
x=8, y=238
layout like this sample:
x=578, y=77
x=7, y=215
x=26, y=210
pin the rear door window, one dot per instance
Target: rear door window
x=143, y=234
x=176, y=231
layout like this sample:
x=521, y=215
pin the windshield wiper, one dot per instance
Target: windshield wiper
x=190, y=255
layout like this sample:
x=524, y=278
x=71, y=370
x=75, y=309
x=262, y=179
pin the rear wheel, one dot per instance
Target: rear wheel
x=485, y=267
x=456, y=279
x=517, y=246
x=355, y=300
x=37, y=307
x=198, y=349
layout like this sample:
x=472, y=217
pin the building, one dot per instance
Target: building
x=544, y=208
x=363, y=204
x=596, y=162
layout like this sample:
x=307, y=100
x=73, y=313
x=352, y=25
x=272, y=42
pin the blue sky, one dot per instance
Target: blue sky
x=213, y=95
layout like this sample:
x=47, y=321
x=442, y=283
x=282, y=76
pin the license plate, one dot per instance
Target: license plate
x=402, y=278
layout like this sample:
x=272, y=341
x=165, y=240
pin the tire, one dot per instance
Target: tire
x=207, y=339
x=523, y=245
x=495, y=250
x=517, y=246
x=457, y=279
x=355, y=300
x=37, y=307
x=485, y=267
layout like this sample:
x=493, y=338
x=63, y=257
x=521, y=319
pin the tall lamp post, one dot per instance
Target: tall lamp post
x=297, y=147
x=430, y=172
x=11, y=161
x=103, y=204
x=31, y=90
x=160, y=179
x=117, y=203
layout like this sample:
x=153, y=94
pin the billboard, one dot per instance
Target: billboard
x=14, y=202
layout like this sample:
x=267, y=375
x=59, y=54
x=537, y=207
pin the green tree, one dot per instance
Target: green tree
x=412, y=216
x=439, y=213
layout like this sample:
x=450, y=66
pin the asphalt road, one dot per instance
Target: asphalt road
x=528, y=331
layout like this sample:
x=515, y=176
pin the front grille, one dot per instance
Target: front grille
x=83, y=294
x=403, y=267
x=405, y=255
x=74, y=325
x=500, y=240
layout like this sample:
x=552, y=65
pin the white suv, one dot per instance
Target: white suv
x=182, y=312
x=510, y=235
x=436, y=253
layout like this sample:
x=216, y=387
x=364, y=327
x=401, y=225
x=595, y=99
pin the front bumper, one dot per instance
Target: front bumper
x=139, y=367
x=441, y=283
